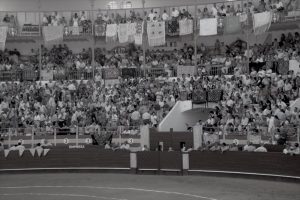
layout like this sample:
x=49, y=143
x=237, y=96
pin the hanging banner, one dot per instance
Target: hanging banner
x=110, y=73
x=232, y=25
x=172, y=27
x=186, y=70
x=3, y=36
x=156, y=33
x=214, y=95
x=199, y=96
x=186, y=27
x=123, y=33
x=100, y=29
x=208, y=27
x=111, y=32
x=129, y=72
x=262, y=22
x=131, y=31
x=138, y=37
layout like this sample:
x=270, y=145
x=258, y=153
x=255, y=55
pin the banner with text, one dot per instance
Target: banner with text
x=3, y=36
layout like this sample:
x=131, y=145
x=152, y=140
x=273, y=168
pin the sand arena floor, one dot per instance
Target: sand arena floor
x=85, y=186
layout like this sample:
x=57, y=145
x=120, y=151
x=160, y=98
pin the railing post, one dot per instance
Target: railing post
x=298, y=135
x=55, y=136
x=9, y=139
x=93, y=38
x=32, y=137
x=77, y=132
x=185, y=163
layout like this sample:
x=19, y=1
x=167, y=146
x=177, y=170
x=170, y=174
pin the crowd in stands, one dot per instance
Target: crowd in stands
x=289, y=149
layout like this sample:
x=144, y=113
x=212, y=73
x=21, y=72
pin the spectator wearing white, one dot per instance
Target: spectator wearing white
x=165, y=16
x=151, y=15
x=292, y=150
x=135, y=117
x=125, y=146
x=214, y=10
x=146, y=117
x=249, y=147
x=261, y=149
x=175, y=13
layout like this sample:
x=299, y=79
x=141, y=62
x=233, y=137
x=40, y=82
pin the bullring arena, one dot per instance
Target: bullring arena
x=149, y=99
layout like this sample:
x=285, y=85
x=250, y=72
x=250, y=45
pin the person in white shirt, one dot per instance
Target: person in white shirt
x=249, y=147
x=261, y=149
x=214, y=11
x=151, y=15
x=165, y=16
x=175, y=13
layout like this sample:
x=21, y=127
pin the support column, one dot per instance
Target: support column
x=247, y=39
x=145, y=136
x=93, y=37
x=143, y=36
x=40, y=41
x=133, y=162
x=185, y=163
x=195, y=36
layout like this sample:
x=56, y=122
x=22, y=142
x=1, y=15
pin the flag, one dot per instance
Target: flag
x=46, y=151
x=21, y=152
x=53, y=34
x=100, y=29
x=6, y=152
x=32, y=151
x=262, y=22
x=138, y=37
x=186, y=27
x=3, y=36
x=156, y=33
x=131, y=31
x=172, y=27
x=123, y=33
x=111, y=32
x=232, y=25
x=39, y=151
x=208, y=27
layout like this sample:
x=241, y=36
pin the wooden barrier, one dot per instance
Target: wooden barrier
x=159, y=161
x=244, y=163
x=265, y=163
x=67, y=158
x=170, y=139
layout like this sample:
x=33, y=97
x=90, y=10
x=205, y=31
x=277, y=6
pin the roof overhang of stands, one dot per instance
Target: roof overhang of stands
x=67, y=5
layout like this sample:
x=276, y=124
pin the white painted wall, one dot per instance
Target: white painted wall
x=181, y=114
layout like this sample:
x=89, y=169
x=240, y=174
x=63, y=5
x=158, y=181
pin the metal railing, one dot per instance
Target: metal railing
x=53, y=136
x=257, y=135
x=36, y=19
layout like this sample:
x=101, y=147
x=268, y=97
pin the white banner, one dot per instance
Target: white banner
x=208, y=27
x=123, y=33
x=156, y=33
x=295, y=66
x=186, y=27
x=3, y=36
x=262, y=22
